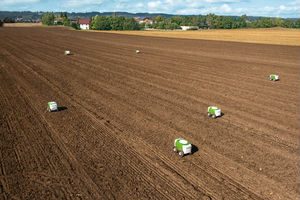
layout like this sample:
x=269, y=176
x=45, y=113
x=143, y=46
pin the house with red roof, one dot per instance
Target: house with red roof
x=84, y=24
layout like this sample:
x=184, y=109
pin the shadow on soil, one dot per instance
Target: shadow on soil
x=194, y=149
x=61, y=108
x=222, y=114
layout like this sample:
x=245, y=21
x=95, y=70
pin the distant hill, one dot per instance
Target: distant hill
x=28, y=15
x=123, y=14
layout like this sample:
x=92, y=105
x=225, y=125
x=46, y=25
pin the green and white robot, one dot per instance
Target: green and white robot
x=182, y=147
x=214, y=112
x=52, y=106
x=274, y=77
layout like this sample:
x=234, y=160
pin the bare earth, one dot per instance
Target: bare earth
x=278, y=36
x=122, y=111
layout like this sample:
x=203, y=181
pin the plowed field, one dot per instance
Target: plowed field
x=279, y=36
x=121, y=112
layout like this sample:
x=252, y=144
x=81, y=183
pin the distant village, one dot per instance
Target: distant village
x=85, y=23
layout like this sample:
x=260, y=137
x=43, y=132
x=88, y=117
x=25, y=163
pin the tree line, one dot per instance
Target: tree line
x=114, y=23
x=97, y=22
x=51, y=19
x=210, y=21
x=213, y=21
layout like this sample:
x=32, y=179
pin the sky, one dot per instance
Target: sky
x=269, y=8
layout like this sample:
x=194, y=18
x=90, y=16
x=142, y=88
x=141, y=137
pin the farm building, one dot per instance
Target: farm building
x=185, y=28
x=84, y=24
x=145, y=20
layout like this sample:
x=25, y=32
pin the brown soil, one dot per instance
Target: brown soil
x=113, y=139
x=278, y=36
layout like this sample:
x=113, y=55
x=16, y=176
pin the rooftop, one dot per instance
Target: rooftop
x=84, y=21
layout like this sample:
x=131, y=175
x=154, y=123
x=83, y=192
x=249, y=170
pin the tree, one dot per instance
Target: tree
x=160, y=25
x=228, y=22
x=48, y=19
x=172, y=26
x=75, y=26
x=201, y=22
x=297, y=23
x=131, y=24
x=263, y=22
x=116, y=23
x=211, y=20
x=65, y=19
x=278, y=22
x=158, y=19
x=66, y=22
x=63, y=15
x=177, y=20
x=8, y=20
x=243, y=21
x=100, y=23
x=288, y=23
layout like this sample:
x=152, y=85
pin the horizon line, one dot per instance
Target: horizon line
x=154, y=13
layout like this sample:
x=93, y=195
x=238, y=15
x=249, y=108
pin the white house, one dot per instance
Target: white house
x=185, y=28
x=145, y=20
x=84, y=24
